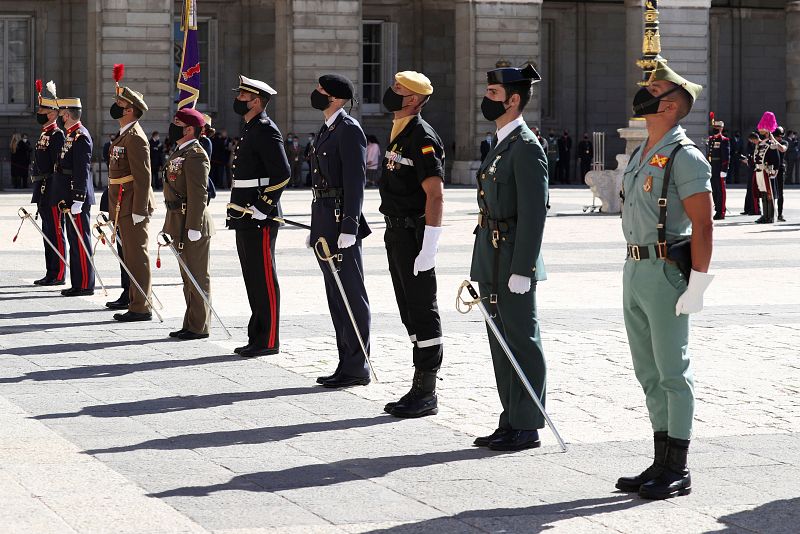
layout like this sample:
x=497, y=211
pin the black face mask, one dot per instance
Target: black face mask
x=175, y=131
x=117, y=111
x=42, y=118
x=240, y=107
x=319, y=101
x=646, y=104
x=492, y=109
x=392, y=101
x=762, y=136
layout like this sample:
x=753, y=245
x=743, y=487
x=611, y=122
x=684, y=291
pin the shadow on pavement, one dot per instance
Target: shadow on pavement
x=248, y=436
x=42, y=313
x=776, y=517
x=327, y=474
x=538, y=518
x=106, y=370
x=40, y=327
x=180, y=403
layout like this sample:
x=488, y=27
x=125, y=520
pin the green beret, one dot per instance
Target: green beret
x=663, y=72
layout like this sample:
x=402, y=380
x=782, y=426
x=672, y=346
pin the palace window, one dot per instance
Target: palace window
x=16, y=64
x=379, y=63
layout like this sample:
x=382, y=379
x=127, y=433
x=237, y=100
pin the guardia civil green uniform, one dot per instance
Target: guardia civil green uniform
x=652, y=285
x=512, y=197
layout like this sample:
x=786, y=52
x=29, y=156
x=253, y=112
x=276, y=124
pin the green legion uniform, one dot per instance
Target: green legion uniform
x=651, y=287
x=512, y=196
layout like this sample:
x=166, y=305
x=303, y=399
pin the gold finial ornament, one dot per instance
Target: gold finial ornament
x=651, y=43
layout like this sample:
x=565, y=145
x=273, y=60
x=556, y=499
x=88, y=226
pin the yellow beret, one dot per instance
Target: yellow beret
x=414, y=81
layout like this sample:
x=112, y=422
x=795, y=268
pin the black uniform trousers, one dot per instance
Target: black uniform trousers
x=416, y=296
x=777, y=192
x=718, y=192
x=256, y=248
x=53, y=227
x=352, y=361
x=81, y=272
x=751, y=204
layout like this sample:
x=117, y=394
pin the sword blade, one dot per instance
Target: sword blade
x=46, y=239
x=524, y=379
x=199, y=289
x=130, y=275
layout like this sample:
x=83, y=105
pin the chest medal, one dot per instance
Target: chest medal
x=648, y=184
x=493, y=168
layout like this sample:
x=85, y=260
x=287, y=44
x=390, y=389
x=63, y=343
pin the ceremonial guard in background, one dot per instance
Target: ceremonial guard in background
x=585, y=155
x=767, y=160
x=73, y=179
x=45, y=156
x=719, y=156
x=130, y=195
x=338, y=161
x=506, y=259
x=667, y=223
x=188, y=222
x=783, y=152
x=260, y=174
x=412, y=202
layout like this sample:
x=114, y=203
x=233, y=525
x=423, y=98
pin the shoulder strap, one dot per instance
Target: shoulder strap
x=635, y=151
x=662, y=201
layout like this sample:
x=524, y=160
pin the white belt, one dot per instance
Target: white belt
x=393, y=156
x=255, y=182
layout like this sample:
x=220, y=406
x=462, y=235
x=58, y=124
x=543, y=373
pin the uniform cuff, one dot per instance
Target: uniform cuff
x=264, y=206
x=349, y=225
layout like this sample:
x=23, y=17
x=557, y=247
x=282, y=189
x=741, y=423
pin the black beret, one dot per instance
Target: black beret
x=513, y=75
x=337, y=86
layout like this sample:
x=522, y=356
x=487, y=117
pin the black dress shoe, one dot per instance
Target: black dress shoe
x=321, y=379
x=345, y=381
x=50, y=282
x=77, y=292
x=718, y=217
x=41, y=281
x=483, y=441
x=238, y=350
x=177, y=333
x=251, y=351
x=516, y=440
x=120, y=304
x=130, y=316
x=188, y=334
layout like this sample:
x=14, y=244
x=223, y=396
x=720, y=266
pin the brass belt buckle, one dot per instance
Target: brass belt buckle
x=634, y=251
x=183, y=208
x=493, y=298
x=495, y=238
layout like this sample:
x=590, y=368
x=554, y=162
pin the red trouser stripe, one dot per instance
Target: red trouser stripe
x=59, y=241
x=82, y=254
x=273, y=324
x=724, y=195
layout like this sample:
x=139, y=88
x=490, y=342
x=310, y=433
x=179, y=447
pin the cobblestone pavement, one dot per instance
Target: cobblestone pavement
x=106, y=427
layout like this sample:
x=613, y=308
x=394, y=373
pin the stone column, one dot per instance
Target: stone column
x=685, y=44
x=488, y=31
x=793, y=63
x=313, y=37
x=139, y=35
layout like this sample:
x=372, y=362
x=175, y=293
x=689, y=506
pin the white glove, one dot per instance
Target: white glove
x=138, y=218
x=692, y=299
x=723, y=174
x=76, y=208
x=346, y=241
x=426, y=260
x=194, y=235
x=257, y=215
x=308, y=241
x=519, y=284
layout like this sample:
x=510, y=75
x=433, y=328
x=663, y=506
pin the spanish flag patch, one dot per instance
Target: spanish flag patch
x=659, y=161
x=427, y=150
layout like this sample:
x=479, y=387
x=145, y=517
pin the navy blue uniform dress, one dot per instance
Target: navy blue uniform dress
x=260, y=174
x=338, y=162
x=73, y=183
x=45, y=157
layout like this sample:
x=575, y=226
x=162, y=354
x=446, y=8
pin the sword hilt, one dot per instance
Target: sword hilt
x=325, y=254
x=463, y=305
x=165, y=237
x=23, y=213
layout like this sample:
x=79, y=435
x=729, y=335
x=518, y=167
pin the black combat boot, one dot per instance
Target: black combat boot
x=632, y=484
x=674, y=479
x=770, y=210
x=421, y=399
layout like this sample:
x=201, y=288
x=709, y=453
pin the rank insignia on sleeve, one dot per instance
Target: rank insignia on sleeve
x=659, y=161
x=427, y=150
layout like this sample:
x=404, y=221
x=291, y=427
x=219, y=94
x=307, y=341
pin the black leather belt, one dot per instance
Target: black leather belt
x=175, y=205
x=327, y=192
x=645, y=252
x=404, y=222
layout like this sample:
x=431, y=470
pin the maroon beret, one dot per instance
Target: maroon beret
x=190, y=117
